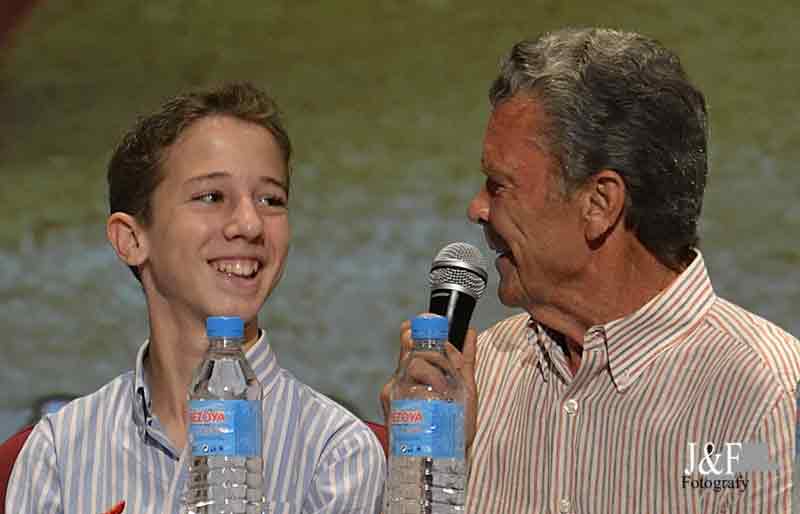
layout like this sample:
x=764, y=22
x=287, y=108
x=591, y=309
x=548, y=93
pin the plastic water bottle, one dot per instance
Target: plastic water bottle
x=427, y=470
x=225, y=427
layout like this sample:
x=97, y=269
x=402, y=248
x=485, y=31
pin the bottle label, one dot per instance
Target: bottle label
x=427, y=428
x=225, y=427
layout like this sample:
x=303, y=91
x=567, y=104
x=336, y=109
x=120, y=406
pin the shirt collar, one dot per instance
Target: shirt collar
x=548, y=353
x=141, y=392
x=632, y=343
x=635, y=341
x=260, y=356
x=539, y=357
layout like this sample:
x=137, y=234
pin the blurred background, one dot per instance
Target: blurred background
x=386, y=104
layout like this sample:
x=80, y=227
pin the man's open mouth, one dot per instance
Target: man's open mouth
x=500, y=250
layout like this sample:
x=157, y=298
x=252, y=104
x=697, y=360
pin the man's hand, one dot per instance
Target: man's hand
x=425, y=372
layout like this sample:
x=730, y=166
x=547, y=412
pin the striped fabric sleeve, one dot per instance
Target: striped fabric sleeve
x=771, y=491
x=349, y=479
x=34, y=486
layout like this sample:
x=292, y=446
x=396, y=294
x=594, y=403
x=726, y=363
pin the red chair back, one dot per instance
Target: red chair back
x=8, y=454
x=381, y=433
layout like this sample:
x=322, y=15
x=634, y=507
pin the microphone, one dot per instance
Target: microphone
x=458, y=279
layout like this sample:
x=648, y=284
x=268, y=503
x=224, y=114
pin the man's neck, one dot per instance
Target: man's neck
x=613, y=287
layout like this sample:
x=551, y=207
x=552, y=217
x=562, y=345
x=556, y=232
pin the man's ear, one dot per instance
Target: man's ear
x=604, y=205
x=127, y=237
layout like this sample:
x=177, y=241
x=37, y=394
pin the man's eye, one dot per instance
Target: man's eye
x=211, y=197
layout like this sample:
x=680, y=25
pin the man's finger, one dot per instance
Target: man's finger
x=427, y=370
x=464, y=362
x=406, y=343
x=469, y=353
x=386, y=391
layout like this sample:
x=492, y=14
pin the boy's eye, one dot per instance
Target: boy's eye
x=210, y=197
x=273, y=201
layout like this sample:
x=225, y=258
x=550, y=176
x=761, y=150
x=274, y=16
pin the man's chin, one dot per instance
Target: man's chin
x=509, y=295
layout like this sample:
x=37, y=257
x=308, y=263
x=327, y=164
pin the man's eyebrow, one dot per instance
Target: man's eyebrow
x=540, y=142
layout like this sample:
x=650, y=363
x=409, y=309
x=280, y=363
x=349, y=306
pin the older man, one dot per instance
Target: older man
x=627, y=377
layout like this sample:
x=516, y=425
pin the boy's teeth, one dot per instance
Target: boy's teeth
x=238, y=268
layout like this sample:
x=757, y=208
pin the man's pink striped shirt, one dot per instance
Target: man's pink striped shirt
x=686, y=368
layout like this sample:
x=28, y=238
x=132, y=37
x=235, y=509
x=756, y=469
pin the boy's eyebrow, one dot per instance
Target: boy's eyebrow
x=224, y=174
x=271, y=180
x=208, y=176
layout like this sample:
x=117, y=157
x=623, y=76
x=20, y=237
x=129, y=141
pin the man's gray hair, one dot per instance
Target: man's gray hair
x=620, y=101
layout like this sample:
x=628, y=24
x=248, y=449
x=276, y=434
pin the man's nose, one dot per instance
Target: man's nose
x=478, y=209
x=245, y=221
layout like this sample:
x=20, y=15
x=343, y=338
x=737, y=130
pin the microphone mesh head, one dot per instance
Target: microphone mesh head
x=459, y=264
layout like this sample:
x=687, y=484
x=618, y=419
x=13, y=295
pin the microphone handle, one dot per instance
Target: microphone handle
x=457, y=307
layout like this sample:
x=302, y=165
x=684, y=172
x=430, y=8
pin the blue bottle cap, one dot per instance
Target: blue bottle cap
x=225, y=326
x=429, y=326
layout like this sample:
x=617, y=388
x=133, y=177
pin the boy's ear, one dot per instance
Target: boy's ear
x=127, y=237
x=605, y=203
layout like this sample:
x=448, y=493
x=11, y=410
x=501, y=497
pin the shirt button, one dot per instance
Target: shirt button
x=571, y=406
x=564, y=505
x=594, y=333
